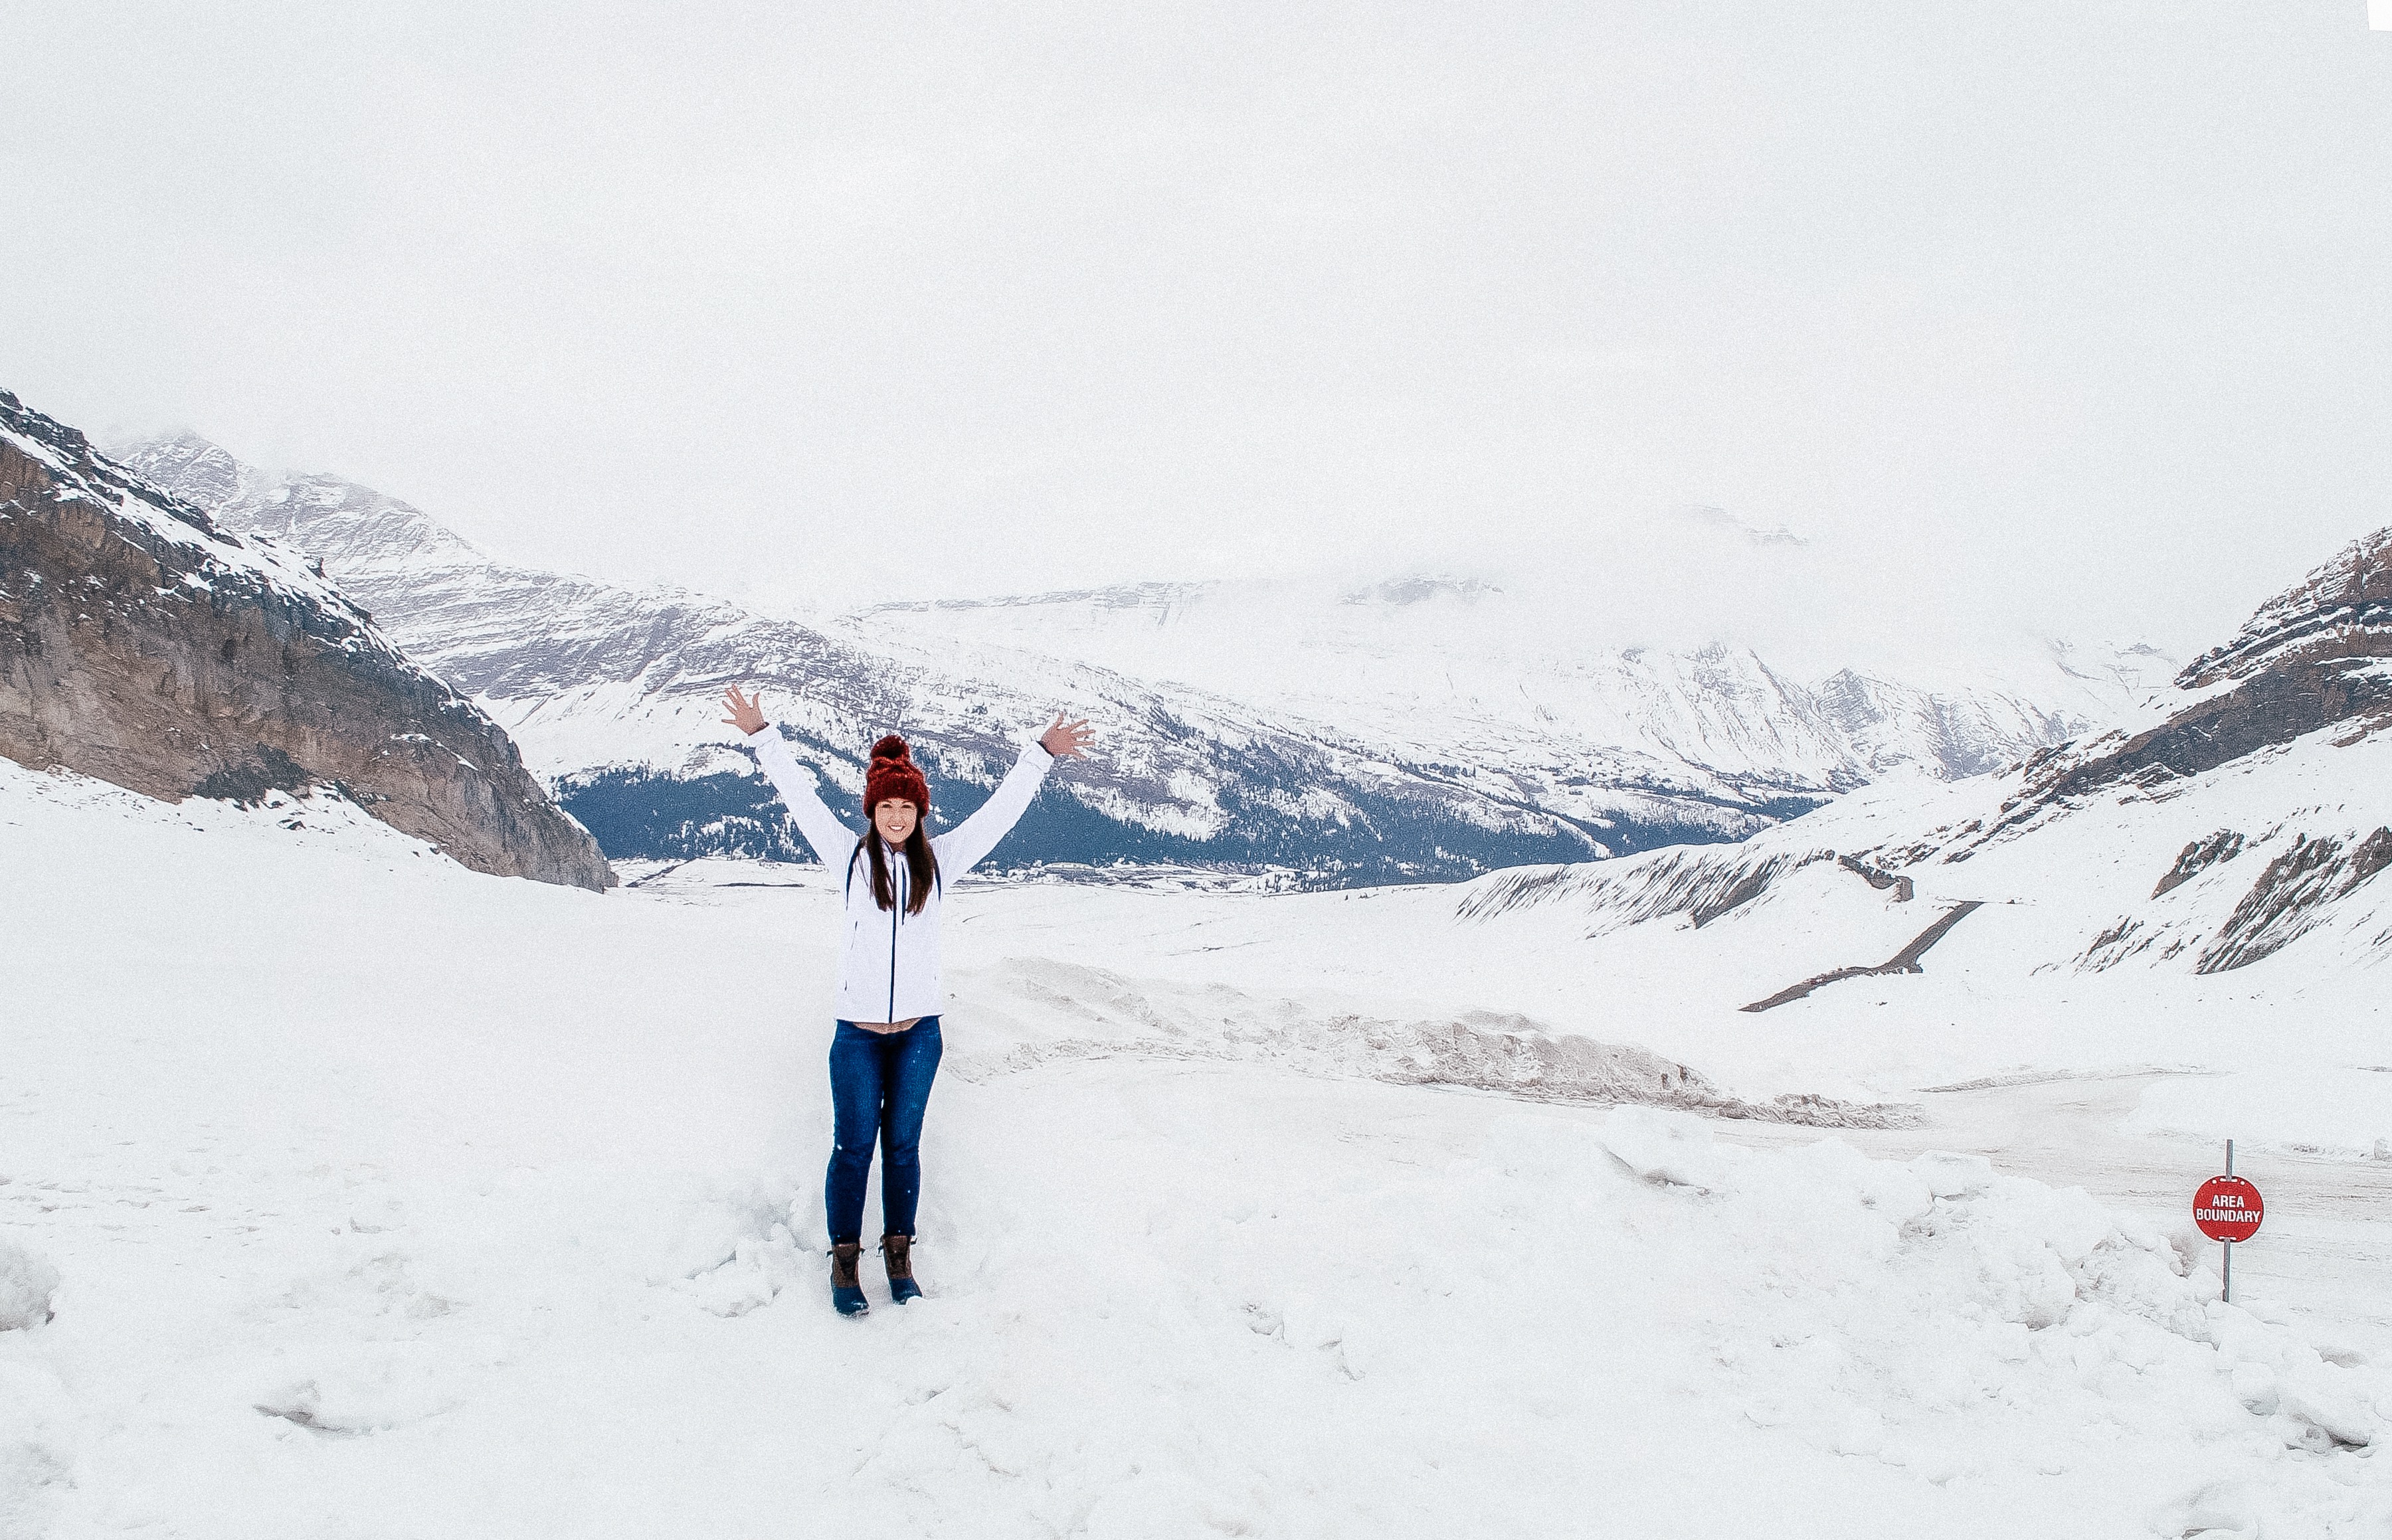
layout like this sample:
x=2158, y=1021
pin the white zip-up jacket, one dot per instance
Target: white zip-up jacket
x=887, y=959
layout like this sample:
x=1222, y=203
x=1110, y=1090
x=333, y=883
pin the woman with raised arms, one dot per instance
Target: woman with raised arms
x=885, y=1049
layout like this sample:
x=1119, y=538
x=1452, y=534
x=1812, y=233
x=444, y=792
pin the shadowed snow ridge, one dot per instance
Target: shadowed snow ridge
x=1703, y=884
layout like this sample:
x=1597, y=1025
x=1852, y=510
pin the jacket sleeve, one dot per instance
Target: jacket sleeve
x=832, y=840
x=968, y=843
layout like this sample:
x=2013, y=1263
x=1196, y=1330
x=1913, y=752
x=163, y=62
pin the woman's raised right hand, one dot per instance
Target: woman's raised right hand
x=746, y=711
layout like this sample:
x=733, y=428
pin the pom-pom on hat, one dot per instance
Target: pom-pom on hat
x=893, y=775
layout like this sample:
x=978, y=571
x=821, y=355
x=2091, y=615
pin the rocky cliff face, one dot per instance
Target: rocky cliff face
x=2338, y=614
x=2317, y=655
x=142, y=645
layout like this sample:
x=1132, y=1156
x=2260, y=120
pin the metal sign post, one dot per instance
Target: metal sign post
x=2229, y=1210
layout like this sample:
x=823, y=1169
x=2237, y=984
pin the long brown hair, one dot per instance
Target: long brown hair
x=921, y=867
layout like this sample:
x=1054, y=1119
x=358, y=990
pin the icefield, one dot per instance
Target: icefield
x=348, y=1193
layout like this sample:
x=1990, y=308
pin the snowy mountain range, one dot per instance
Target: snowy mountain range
x=2244, y=809
x=1463, y=669
x=1456, y=747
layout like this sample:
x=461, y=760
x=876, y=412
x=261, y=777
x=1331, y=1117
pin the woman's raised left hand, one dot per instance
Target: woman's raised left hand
x=746, y=711
x=1066, y=740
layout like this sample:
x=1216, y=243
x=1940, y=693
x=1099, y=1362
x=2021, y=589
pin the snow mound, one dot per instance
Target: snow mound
x=1927, y=1335
x=736, y=1253
x=27, y=1285
x=1035, y=1012
x=1669, y=1148
x=365, y=1389
x=1936, y=1316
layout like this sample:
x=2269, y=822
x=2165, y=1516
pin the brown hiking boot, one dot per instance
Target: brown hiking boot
x=897, y=1254
x=845, y=1292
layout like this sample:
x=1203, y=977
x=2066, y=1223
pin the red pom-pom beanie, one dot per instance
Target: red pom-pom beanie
x=893, y=775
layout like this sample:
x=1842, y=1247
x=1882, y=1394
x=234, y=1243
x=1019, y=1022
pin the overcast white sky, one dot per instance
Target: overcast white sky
x=2072, y=310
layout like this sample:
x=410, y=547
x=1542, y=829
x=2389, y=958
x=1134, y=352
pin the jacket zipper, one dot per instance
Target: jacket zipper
x=895, y=909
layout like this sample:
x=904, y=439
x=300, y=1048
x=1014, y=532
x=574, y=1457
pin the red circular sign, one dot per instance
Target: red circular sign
x=2226, y=1207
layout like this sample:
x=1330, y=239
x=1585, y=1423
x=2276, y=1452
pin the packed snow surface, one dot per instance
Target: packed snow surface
x=385, y=1200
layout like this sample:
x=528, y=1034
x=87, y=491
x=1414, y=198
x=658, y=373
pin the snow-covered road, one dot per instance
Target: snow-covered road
x=394, y=1201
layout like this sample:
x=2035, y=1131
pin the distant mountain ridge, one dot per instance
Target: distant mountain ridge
x=1451, y=669
x=611, y=691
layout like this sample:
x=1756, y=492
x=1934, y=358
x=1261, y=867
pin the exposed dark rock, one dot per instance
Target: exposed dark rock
x=2276, y=705
x=269, y=770
x=2373, y=854
x=2290, y=897
x=2117, y=944
x=2341, y=610
x=142, y=645
x=1903, y=890
x=2197, y=858
x=2317, y=655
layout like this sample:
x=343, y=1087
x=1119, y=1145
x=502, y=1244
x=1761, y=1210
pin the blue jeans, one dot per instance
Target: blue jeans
x=879, y=1083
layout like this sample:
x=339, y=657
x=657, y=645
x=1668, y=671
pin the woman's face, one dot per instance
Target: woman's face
x=895, y=820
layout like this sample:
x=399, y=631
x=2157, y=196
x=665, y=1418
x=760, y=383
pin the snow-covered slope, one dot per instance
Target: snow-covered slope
x=1453, y=750
x=496, y=1212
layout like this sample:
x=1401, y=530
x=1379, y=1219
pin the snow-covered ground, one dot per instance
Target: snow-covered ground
x=385, y=1200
